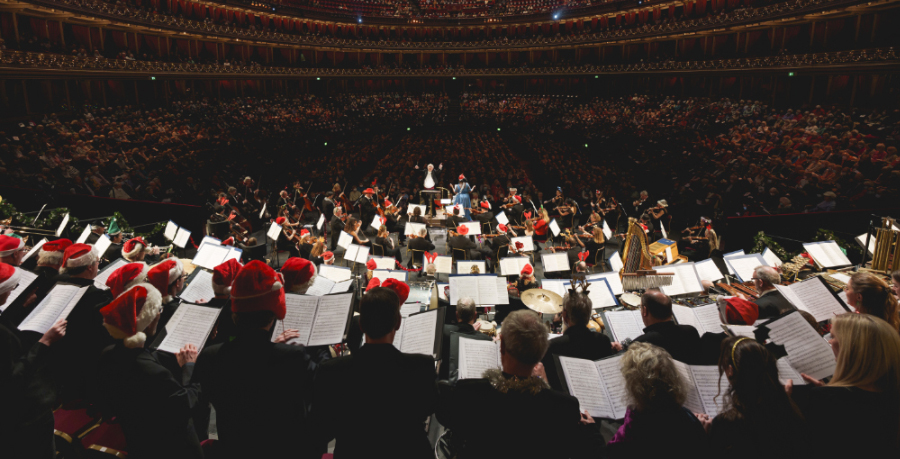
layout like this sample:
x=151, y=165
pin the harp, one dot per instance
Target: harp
x=637, y=264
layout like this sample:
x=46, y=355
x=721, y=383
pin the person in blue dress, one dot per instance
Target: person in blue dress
x=461, y=195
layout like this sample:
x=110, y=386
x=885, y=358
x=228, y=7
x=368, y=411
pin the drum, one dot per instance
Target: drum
x=488, y=328
x=631, y=300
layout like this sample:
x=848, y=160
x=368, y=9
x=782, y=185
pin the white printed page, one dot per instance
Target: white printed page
x=181, y=238
x=301, y=311
x=685, y=316
x=583, y=379
x=341, y=287
x=57, y=305
x=189, y=325
x=487, y=290
x=84, y=234
x=554, y=227
x=233, y=254
x=502, y=293
x=413, y=228
x=814, y=297
x=771, y=259
x=747, y=331
x=807, y=351
x=465, y=267
x=200, y=288
x=351, y=252
x=615, y=283
x=693, y=401
x=274, y=231
x=708, y=271
x=25, y=280
x=344, y=240
x=444, y=264
x=744, y=266
x=419, y=333
x=335, y=273
x=464, y=286
x=398, y=336
x=321, y=286
x=684, y=281
x=384, y=262
x=555, y=262
x=556, y=286
x=707, y=380
x=331, y=320
x=615, y=263
x=611, y=373
x=474, y=227
x=103, y=243
x=787, y=372
x=384, y=274
x=835, y=254
x=527, y=243
x=599, y=292
x=625, y=324
x=607, y=233
x=729, y=255
x=361, y=256
x=476, y=357
x=502, y=218
x=171, y=229
x=708, y=317
x=34, y=250
x=512, y=266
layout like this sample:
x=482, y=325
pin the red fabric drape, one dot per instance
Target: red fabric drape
x=82, y=35
x=95, y=38
x=199, y=11
x=119, y=39
x=700, y=7
x=264, y=20
x=211, y=47
x=55, y=33
x=39, y=28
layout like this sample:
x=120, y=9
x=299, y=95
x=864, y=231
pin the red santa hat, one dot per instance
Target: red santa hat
x=461, y=177
x=738, y=311
x=164, y=274
x=328, y=256
x=304, y=232
x=371, y=265
x=77, y=256
x=229, y=241
x=582, y=256
x=223, y=276
x=527, y=270
x=518, y=199
x=369, y=191
x=127, y=316
x=10, y=245
x=9, y=278
x=257, y=287
x=298, y=274
x=462, y=230
x=279, y=220
x=485, y=205
x=400, y=288
x=126, y=277
x=51, y=253
x=387, y=203
x=503, y=228
x=133, y=247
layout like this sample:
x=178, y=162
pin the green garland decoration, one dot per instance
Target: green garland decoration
x=761, y=241
x=51, y=219
x=823, y=234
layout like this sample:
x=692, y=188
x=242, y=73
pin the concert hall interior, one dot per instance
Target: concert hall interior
x=449, y=228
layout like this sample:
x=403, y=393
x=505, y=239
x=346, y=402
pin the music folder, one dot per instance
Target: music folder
x=421, y=333
x=321, y=320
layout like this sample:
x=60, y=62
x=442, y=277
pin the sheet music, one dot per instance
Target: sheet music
x=527, y=243
x=502, y=292
x=708, y=271
x=351, y=252
x=843, y=297
x=610, y=370
x=554, y=227
x=331, y=320
x=482, y=289
x=412, y=207
x=827, y=254
x=25, y=280
x=384, y=262
x=487, y=290
x=62, y=225
x=685, y=316
x=181, y=237
x=771, y=259
x=440, y=292
x=190, y=324
x=444, y=264
x=693, y=401
x=684, y=281
x=335, y=273
x=209, y=255
x=376, y=222
x=233, y=253
x=465, y=267
x=585, y=384
x=84, y=234
x=744, y=265
x=200, y=288
x=301, y=311
x=841, y=277
x=501, y=217
x=512, y=266
x=384, y=274
x=612, y=277
x=419, y=333
x=729, y=255
x=706, y=380
x=814, y=297
x=100, y=279
x=263, y=211
x=599, y=292
x=398, y=336
x=34, y=250
x=555, y=262
x=341, y=287
x=786, y=372
x=345, y=240
x=807, y=351
x=101, y=245
x=171, y=229
x=861, y=240
x=747, y=331
x=320, y=222
x=625, y=324
x=476, y=357
x=615, y=263
x=413, y=228
x=556, y=286
x=57, y=305
x=321, y=286
x=607, y=233
x=408, y=309
x=362, y=254
x=474, y=227
x=274, y=231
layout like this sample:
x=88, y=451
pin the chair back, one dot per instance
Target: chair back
x=377, y=249
x=417, y=257
x=460, y=254
x=502, y=251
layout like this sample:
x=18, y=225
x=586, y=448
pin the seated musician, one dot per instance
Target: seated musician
x=285, y=237
x=770, y=301
x=466, y=314
x=306, y=243
x=353, y=229
x=531, y=410
x=459, y=240
x=578, y=340
x=455, y=218
x=542, y=226
x=384, y=240
x=481, y=209
x=681, y=341
x=526, y=279
x=419, y=242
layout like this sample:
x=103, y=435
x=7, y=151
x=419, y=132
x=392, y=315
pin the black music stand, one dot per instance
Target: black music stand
x=431, y=198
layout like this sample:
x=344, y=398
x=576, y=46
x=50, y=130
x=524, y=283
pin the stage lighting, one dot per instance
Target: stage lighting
x=790, y=74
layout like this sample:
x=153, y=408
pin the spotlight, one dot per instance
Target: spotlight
x=790, y=74
x=326, y=144
x=152, y=78
x=556, y=16
x=317, y=78
x=407, y=129
x=498, y=129
x=585, y=145
x=359, y=20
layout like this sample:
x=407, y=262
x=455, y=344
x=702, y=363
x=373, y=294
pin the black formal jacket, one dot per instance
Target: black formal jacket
x=27, y=396
x=395, y=391
x=681, y=341
x=152, y=406
x=113, y=253
x=16, y=312
x=461, y=242
x=773, y=304
x=453, y=332
x=538, y=422
x=420, y=243
x=578, y=342
x=261, y=392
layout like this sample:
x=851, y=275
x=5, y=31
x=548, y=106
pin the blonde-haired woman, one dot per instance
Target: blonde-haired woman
x=656, y=424
x=383, y=238
x=857, y=414
x=871, y=295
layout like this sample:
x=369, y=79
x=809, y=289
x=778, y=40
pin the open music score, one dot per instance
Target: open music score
x=527, y=243
x=420, y=333
x=598, y=385
x=703, y=387
x=736, y=253
x=554, y=262
x=321, y=320
x=807, y=351
x=191, y=324
x=170, y=231
x=512, y=266
x=704, y=318
x=501, y=218
x=356, y=253
x=103, y=243
x=685, y=280
x=827, y=254
x=57, y=305
x=275, y=230
x=210, y=255
x=385, y=274
x=413, y=228
x=25, y=280
x=384, y=262
x=34, y=250
x=615, y=263
x=477, y=356
x=200, y=288
x=814, y=296
x=336, y=273
x=624, y=324
x=599, y=292
x=181, y=237
x=486, y=289
x=771, y=259
x=743, y=266
x=324, y=286
x=708, y=271
x=465, y=267
x=84, y=234
x=442, y=263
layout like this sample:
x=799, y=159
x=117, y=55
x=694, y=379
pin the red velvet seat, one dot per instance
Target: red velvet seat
x=70, y=423
x=105, y=441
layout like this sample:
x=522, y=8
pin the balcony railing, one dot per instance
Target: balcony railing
x=58, y=65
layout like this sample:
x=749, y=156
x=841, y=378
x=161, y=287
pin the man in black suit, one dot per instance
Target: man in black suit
x=461, y=241
x=464, y=328
x=335, y=226
x=771, y=302
x=454, y=220
x=328, y=206
x=681, y=341
x=395, y=391
x=97, y=230
x=531, y=410
x=419, y=243
x=578, y=340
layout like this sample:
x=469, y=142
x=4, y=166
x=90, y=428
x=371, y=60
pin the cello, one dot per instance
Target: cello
x=343, y=200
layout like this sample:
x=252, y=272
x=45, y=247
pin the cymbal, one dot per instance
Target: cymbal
x=543, y=301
